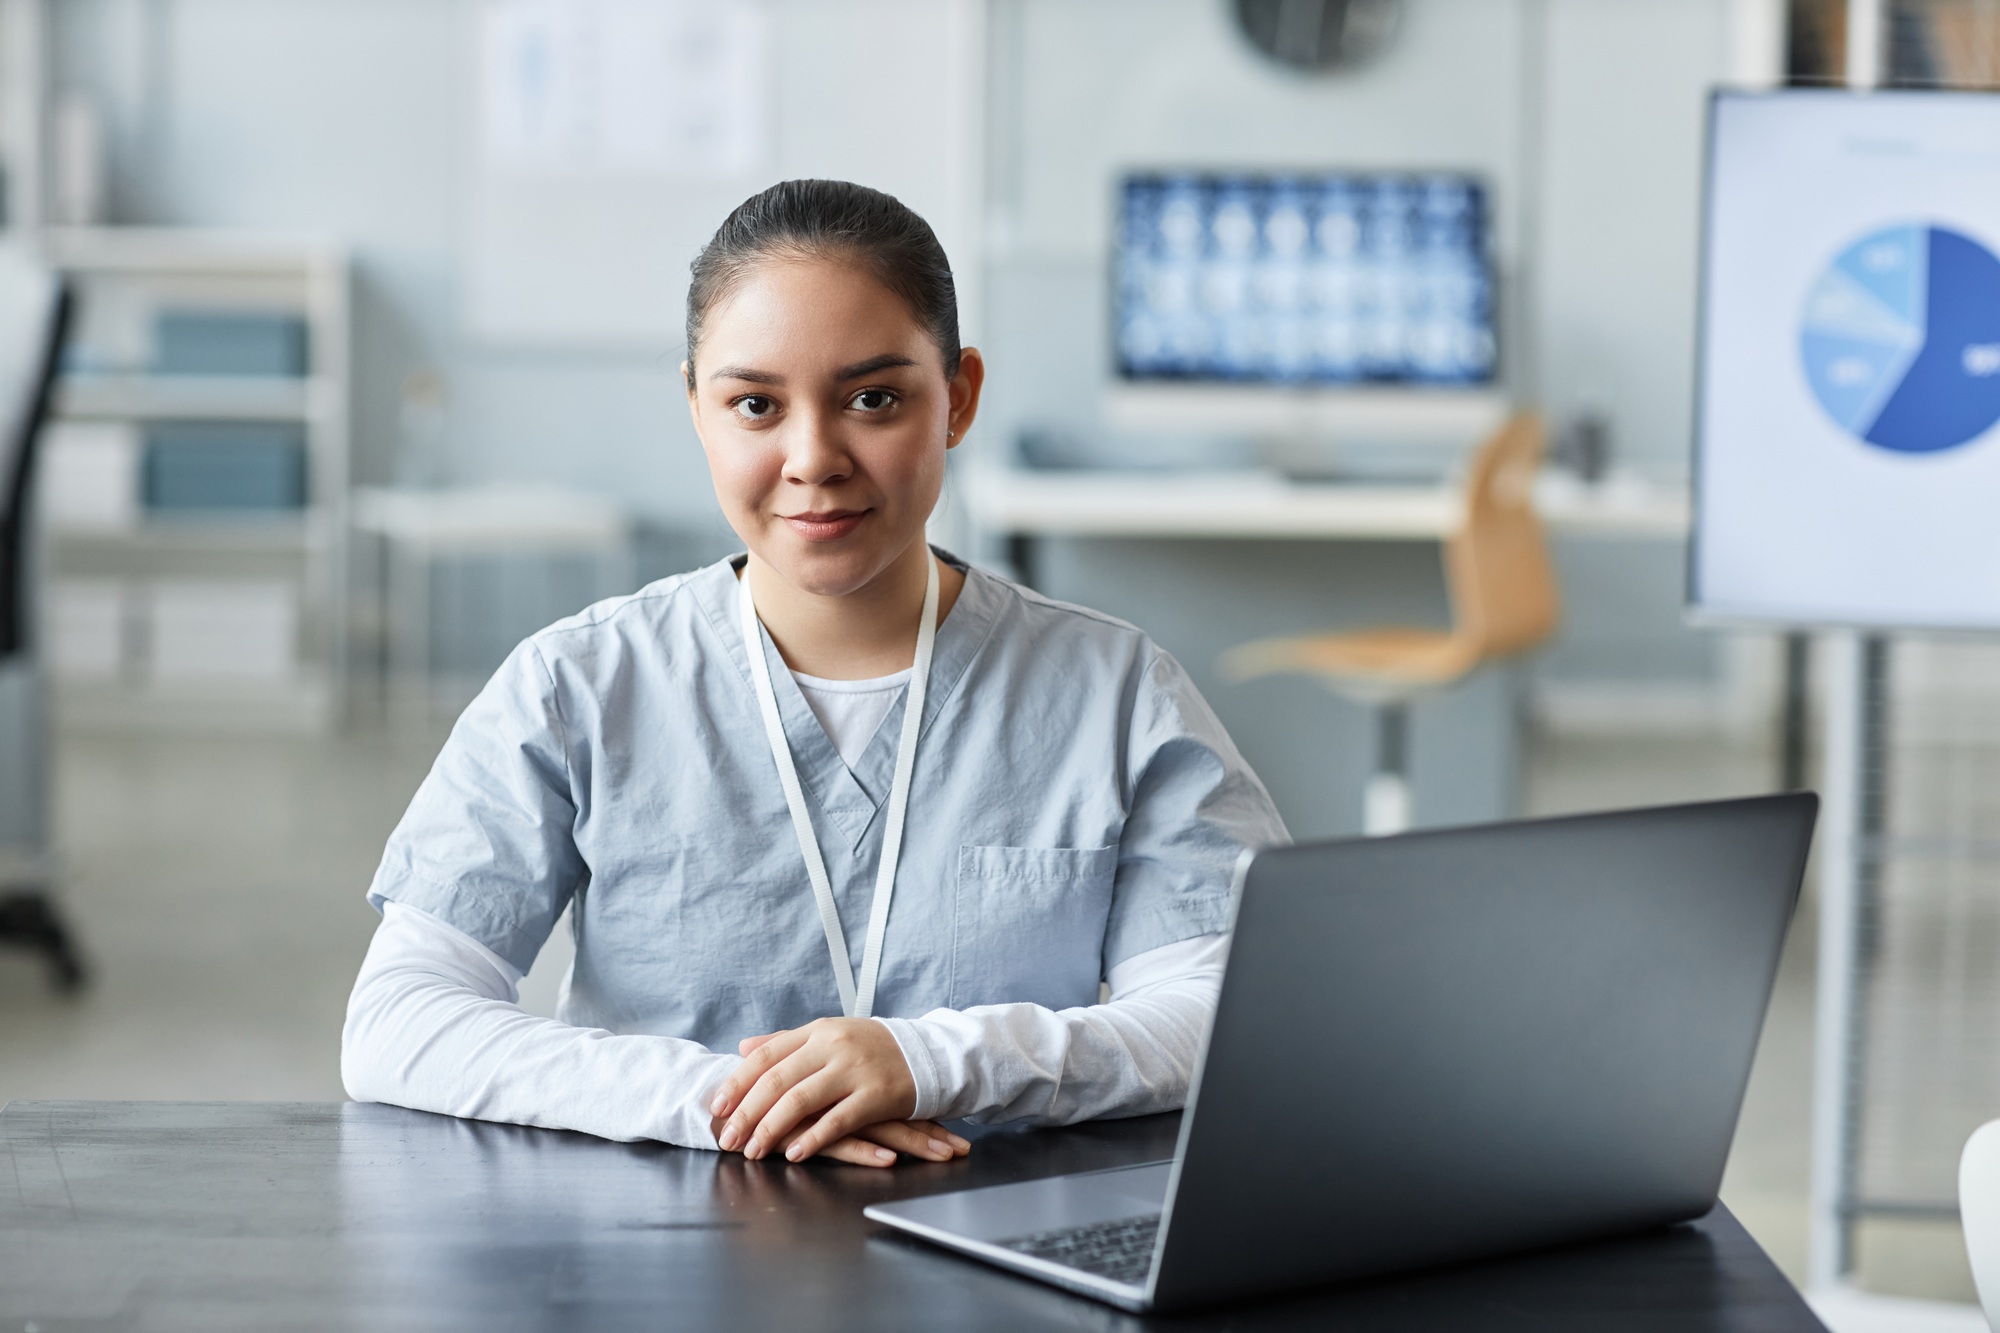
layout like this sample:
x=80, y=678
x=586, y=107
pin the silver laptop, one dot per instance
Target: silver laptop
x=1438, y=1047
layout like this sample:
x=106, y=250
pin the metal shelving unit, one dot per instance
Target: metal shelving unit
x=190, y=398
x=122, y=277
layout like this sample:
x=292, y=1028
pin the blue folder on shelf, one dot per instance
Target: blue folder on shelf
x=229, y=342
x=225, y=465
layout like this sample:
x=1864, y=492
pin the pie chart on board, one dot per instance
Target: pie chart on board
x=1901, y=339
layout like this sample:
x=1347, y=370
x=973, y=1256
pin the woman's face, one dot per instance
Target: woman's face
x=825, y=413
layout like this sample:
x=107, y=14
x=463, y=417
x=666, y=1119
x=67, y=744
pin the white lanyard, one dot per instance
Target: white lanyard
x=857, y=1000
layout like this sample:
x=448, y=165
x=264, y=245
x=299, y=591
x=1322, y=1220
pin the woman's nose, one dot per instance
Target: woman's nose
x=814, y=452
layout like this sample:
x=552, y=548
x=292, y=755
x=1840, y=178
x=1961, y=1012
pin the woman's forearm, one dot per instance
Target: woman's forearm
x=1132, y=1055
x=432, y=1025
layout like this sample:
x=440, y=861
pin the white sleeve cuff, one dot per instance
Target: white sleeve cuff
x=926, y=1065
x=1129, y=1056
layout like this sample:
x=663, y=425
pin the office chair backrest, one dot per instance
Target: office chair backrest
x=1503, y=587
x=34, y=317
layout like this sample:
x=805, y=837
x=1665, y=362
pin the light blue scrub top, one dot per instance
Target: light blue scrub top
x=1074, y=803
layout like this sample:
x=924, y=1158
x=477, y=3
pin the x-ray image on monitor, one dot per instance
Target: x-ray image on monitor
x=1346, y=279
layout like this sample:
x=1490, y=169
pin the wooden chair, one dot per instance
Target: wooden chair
x=1503, y=598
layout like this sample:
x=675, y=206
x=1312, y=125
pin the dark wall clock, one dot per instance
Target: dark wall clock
x=1318, y=34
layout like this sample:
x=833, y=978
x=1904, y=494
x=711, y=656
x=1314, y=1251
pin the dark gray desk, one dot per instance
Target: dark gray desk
x=158, y=1216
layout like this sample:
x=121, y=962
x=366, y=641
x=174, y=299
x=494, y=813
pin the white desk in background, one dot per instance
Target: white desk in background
x=1178, y=553
x=420, y=527
x=1022, y=504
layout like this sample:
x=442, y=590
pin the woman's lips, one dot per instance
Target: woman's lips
x=826, y=525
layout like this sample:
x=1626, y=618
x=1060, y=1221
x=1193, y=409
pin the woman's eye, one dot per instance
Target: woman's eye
x=754, y=407
x=872, y=400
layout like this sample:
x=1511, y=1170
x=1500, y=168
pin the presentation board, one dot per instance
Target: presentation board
x=1847, y=454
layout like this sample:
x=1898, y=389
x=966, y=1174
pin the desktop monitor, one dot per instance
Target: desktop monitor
x=1332, y=280
x=1339, y=303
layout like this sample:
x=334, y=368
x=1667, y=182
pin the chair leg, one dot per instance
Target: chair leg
x=30, y=920
x=1385, y=801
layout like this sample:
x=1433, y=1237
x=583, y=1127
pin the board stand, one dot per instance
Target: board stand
x=1855, y=849
x=1853, y=800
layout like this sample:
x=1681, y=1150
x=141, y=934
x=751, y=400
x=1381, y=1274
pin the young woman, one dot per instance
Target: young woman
x=850, y=832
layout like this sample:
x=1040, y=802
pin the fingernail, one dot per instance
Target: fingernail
x=963, y=1145
x=884, y=1155
x=728, y=1139
x=715, y=1107
x=796, y=1153
x=940, y=1147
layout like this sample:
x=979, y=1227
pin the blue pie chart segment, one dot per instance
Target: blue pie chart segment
x=1901, y=339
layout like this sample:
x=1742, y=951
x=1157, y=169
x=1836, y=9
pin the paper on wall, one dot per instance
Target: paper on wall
x=641, y=87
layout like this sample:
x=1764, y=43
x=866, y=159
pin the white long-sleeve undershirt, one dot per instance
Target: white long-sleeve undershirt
x=433, y=1024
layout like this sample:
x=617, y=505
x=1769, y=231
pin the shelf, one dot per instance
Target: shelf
x=153, y=250
x=226, y=532
x=125, y=278
x=193, y=398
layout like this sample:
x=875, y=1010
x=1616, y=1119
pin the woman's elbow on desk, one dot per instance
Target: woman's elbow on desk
x=432, y=1024
x=388, y=1034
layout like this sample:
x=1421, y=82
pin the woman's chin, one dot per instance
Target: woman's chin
x=826, y=570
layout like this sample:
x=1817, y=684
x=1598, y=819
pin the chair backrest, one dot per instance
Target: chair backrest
x=1503, y=586
x=34, y=318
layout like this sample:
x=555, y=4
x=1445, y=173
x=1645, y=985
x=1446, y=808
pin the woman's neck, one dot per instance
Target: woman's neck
x=869, y=632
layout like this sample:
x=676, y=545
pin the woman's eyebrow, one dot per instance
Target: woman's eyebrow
x=871, y=365
x=746, y=373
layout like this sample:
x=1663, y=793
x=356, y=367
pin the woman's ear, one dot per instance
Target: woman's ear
x=694, y=403
x=964, y=390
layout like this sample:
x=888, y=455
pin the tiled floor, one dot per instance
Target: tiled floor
x=217, y=883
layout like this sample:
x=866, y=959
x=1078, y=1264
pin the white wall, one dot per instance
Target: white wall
x=1584, y=116
x=1618, y=197
x=356, y=118
x=1619, y=205
x=1103, y=86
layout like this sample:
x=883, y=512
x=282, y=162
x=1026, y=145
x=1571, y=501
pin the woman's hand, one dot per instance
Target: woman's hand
x=806, y=1090
x=877, y=1145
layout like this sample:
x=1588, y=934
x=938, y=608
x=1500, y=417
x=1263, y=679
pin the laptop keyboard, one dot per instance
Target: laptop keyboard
x=1121, y=1249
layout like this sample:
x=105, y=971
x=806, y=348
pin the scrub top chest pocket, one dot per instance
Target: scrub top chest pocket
x=1028, y=924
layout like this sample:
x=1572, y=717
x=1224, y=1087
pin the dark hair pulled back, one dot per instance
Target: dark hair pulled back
x=817, y=219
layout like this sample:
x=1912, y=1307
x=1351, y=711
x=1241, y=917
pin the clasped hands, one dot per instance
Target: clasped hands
x=837, y=1087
